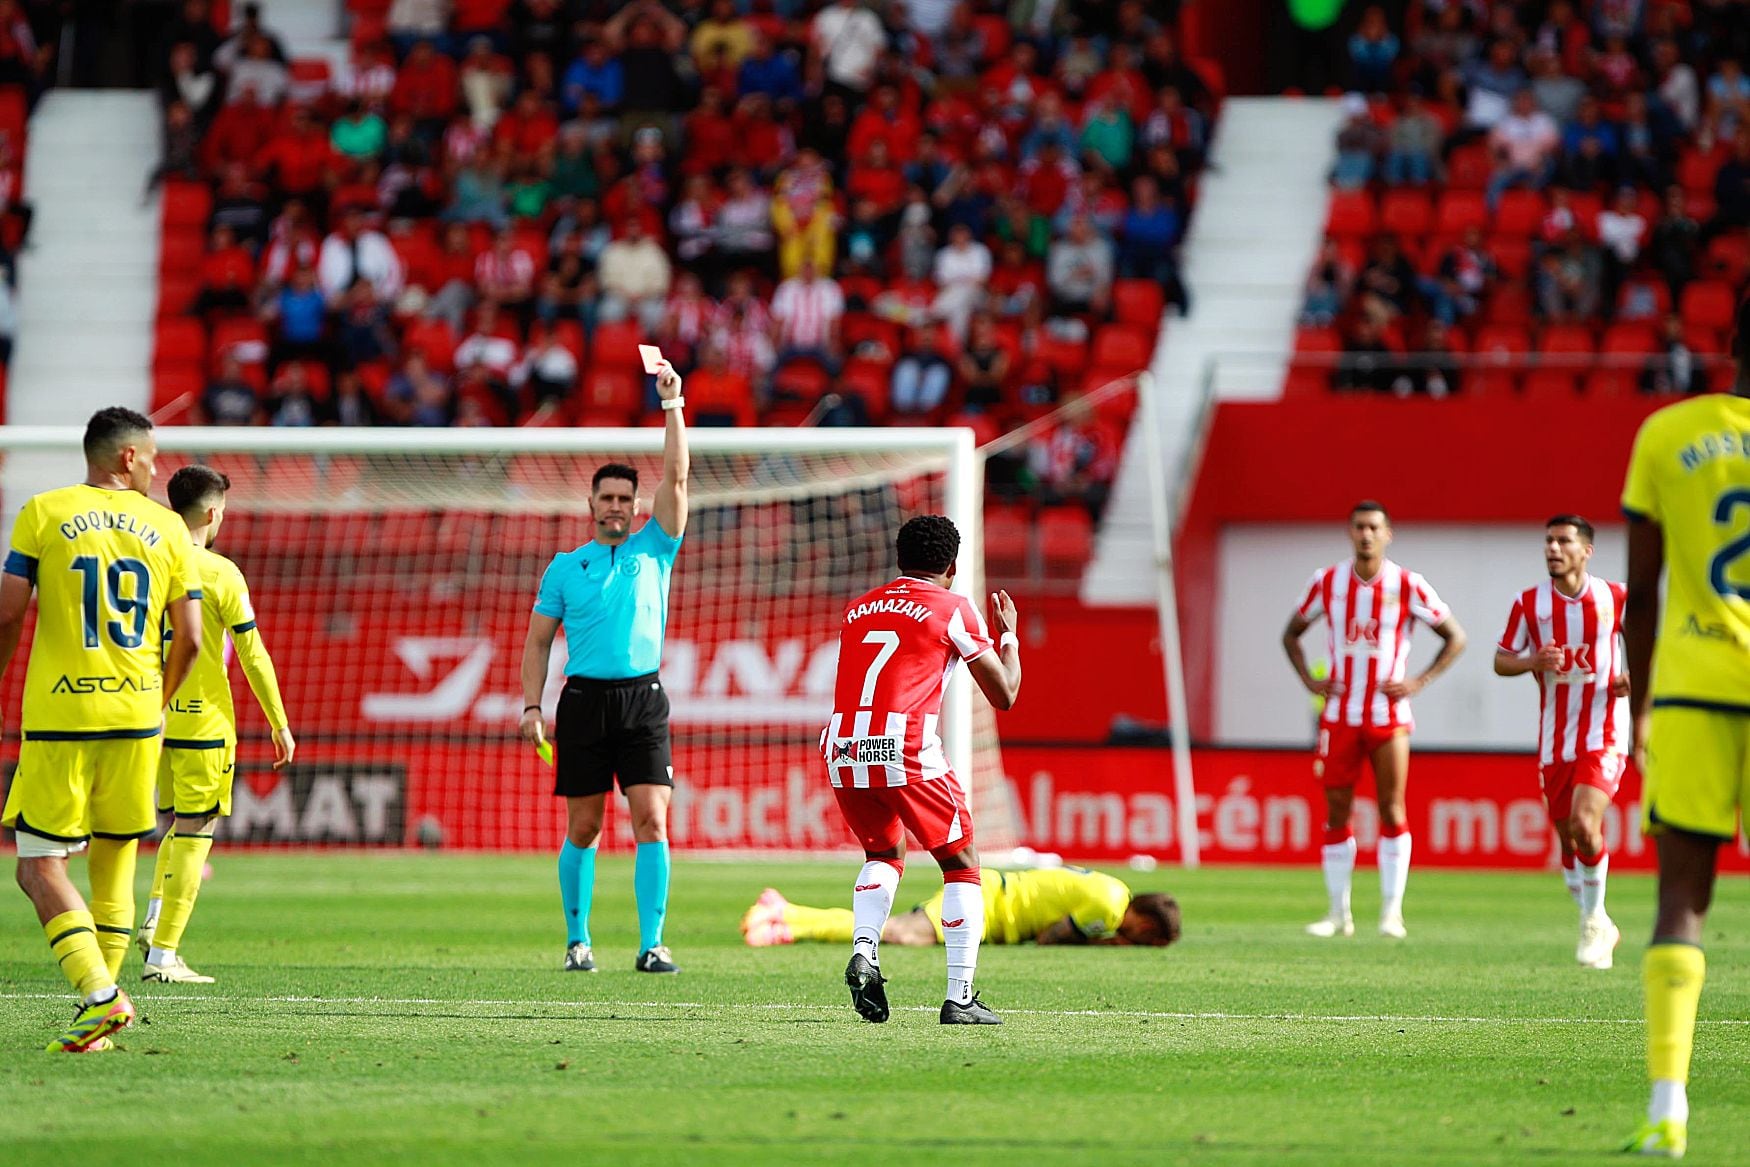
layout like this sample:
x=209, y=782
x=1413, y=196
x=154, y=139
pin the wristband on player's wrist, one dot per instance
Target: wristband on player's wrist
x=1009, y=640
x=674, y=403
x=526, y=708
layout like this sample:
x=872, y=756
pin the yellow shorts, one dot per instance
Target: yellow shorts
x=69, y=791
x=1698, y=771
x=196, y=783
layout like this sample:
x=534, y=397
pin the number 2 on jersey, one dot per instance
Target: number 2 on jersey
x=1734, y=549
x=124, y=606
x=889, y=642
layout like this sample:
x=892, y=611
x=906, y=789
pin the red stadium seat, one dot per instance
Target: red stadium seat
x=1512, y=256
x=241, y=337
x=177, y=293
x=994, y=30
x=171, y=382
x=1501, y=338
x=1696, y=170
x=1353, y=215
x=1066, y=540
x=179, y=341
x=180, y=252
x=14, y=108
x=1509, y=304
x=1703, y=339
x=1629, y=337
x=1137, y=302
x=1459, y=210
x=616, y=345
x=1408, y=213
x=1520, y=213
x=434, y=339
x=1468, y=167
x=869, y=381
x=1708, y=303
x=1566, y=338
x=1063, y=356
x=1120, y=344
x=614, y=392
x=1728, y=257
x=1007, y=538
x=186, y=205
x=1612, y=382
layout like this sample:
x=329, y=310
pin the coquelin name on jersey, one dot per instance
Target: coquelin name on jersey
x=110, y=521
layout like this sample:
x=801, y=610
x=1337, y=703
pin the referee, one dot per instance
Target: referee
x=611, y=596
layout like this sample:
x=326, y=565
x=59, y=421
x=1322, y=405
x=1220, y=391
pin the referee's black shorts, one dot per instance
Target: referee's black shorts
x=611, y=729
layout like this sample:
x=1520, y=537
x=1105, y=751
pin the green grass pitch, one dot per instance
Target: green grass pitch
x=409, y=1008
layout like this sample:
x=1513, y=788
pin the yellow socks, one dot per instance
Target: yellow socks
x=111, y=864
x=833, y=924
x=73, y=940
x=1673, y=975
x=180, y=860
x=162, y=864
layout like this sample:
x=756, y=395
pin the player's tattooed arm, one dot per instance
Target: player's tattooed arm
x=1062, y=932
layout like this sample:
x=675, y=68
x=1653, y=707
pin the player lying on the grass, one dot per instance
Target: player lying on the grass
x=200, y=729
x=1054, y=905
x=1566, y=632
x=111, y=569
x=1687, y=498
x=898, y=645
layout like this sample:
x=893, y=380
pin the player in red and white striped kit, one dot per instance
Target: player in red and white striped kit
x=1568, y=632
x=898, y=646
x=1370, y=605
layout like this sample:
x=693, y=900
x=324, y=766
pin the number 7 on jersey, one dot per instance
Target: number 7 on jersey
x=889, y=642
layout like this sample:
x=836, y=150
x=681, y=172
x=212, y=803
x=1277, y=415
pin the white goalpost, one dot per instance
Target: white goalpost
x=394, y=569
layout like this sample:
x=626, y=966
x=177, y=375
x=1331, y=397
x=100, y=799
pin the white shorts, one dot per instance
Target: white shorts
x=34, y=846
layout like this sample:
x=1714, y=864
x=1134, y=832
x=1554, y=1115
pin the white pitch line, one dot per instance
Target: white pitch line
x=1336, y=1018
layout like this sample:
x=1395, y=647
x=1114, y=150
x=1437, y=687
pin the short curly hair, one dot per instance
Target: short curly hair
x=928, y=545
x=1162, y=913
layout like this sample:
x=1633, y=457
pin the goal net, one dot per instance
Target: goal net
x=393, y=574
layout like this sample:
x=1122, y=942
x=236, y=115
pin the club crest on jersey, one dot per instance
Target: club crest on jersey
x=865, y=751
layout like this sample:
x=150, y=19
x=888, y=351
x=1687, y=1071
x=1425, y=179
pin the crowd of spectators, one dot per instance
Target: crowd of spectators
x=1562, y=178
x=853, y=212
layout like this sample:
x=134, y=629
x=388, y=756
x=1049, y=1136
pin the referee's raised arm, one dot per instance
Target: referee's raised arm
x=671, y=494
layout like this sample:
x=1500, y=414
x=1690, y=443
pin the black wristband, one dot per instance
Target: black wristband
x=526, y=708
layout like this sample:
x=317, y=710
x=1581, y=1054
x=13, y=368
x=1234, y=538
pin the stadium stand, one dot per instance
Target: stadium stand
x=1563, y=186
x=820, y=214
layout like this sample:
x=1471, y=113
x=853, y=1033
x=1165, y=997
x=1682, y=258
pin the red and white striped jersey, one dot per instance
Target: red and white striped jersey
x=1579, y=715
x=898, y=646
x=1369, y=626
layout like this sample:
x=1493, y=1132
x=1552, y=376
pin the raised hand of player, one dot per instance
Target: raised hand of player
x=1548, y=659
x=1002, y=613
x=285, y=747
x=533, y=727
x=668, y=382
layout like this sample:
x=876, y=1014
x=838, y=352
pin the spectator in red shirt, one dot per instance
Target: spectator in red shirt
x=885, y=121
x=447, y=277
x=760, y=142
x=1017, y=285
x=426, y=86
x=1077, y=461
x=710, y=135
x=1045, y=179
x=529, y=127
x=505, y=274
x=237, y=132
x=721, y=395
x=227, y=274
x=877, y=180
x=297, y=162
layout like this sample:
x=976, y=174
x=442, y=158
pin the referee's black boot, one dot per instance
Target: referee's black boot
x=656, y=960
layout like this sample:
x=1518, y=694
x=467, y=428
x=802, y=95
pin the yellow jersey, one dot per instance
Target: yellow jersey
x=1019, y=905
x=106, y=564
x=1690, y=474
x=201, y=716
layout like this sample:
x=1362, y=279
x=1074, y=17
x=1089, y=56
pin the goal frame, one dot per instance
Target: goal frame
x=963, y=489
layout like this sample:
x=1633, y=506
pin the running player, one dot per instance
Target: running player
x=112, y=568
x=1687, y=498
x=1369, y=605
x=1566, y=631
x=200, y=742
x=1048, y=905
x=898, y=645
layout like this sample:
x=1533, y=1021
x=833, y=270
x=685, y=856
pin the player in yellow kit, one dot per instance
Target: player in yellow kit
x=1687, y=498
x=110, y=569
x=1053, y=905
x=200, y=729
